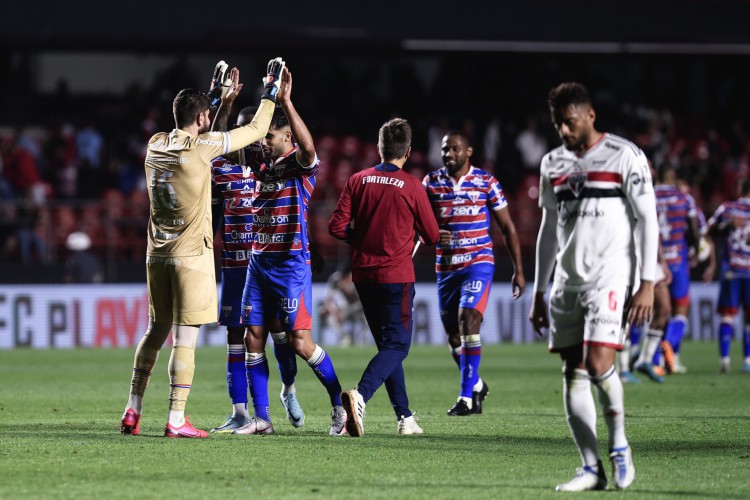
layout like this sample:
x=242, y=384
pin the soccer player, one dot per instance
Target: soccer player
x=462, y=198
x=380, y=212
x=179, y=257
x=234, y=188
x=732, y=222
x=593, y=188
x=279, y=281
x=678, y=225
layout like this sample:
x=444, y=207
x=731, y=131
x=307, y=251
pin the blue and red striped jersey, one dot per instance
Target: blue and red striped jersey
x=736, y=254
x=234, y=186
x=282, y=194
x=674, y=210
x=462, y=207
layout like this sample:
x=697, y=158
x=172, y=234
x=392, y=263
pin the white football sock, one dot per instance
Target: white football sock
x=287, y=389
x=650, y=345
x=478, y=386
x=135, y=402
x=239, y=409
x=581, y=412
x=176, y=418
x=612, y=401
x=623, y=357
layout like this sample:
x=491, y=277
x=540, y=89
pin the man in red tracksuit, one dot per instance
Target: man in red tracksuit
x=378, y=214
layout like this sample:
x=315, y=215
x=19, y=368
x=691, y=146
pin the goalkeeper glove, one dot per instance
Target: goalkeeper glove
x=220, y=84
x=272, y=81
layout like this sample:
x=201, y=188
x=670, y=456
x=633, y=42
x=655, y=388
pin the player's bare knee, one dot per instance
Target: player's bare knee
x=235, y=334
x=302, y=343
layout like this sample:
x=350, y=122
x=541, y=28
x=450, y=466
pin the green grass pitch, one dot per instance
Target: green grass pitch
x=60, y=412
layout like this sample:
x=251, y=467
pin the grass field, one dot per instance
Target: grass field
x=60, y=411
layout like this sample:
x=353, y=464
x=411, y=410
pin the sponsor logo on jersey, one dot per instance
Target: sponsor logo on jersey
x=269, y=238
x=208, y=142
x=270, y=220
x=460, y=211
x=477, y=182
x=464, y=242
x=609, y=145
x=270, y=187
x=460, y=259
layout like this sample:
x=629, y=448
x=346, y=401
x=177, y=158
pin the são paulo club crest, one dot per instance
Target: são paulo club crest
x=577, y=181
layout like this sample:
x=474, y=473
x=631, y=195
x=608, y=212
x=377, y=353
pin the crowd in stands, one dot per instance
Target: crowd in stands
x=80, y=167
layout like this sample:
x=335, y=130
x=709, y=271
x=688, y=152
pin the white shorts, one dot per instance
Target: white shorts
x=592, y=317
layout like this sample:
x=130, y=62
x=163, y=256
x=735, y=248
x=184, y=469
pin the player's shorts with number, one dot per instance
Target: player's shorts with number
x=278, y=287
x=468, y=288
x=182, y=290
x=594, y=317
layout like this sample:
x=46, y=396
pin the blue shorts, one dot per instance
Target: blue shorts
x=230, y=305
x=468, y=288
x=732, y=293
x=278, y=287
x=679, y=289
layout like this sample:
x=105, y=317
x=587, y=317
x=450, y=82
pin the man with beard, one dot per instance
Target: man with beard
x=593, y=189
x=179, y=258
x=462, y=198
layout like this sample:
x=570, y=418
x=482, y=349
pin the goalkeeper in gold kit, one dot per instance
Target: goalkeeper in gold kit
x=179, y=257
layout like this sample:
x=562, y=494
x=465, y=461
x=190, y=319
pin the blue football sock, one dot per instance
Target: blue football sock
x=675, y=331
x=471, y=355
x=746, y=341
x=635, y=335
x=236, y=373
x=726, y=333
x=257, y=376
x=285, y=357
x=322, y=365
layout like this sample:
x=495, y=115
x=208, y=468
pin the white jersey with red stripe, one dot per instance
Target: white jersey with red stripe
x=592, y=195
x=462, y=206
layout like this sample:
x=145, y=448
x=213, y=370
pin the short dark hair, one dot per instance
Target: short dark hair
x=394, y=139
x=568, y=93
x=460, y=134
x=279, y=119
x=664, y=170
x=246, y=115
x=187, y=105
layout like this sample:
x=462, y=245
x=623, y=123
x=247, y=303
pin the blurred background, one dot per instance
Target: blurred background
x=82, y=88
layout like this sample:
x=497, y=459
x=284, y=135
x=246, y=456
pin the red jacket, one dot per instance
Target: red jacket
x=378, y=214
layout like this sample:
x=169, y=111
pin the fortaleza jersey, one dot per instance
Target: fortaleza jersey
x=736, y=255
x=462, y=207
x=592, y=195
x=282, y=193
x=234, y=186
x=673, y=208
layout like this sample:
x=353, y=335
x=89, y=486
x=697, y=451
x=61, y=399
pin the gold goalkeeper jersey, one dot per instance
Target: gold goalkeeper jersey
x=178, y=174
